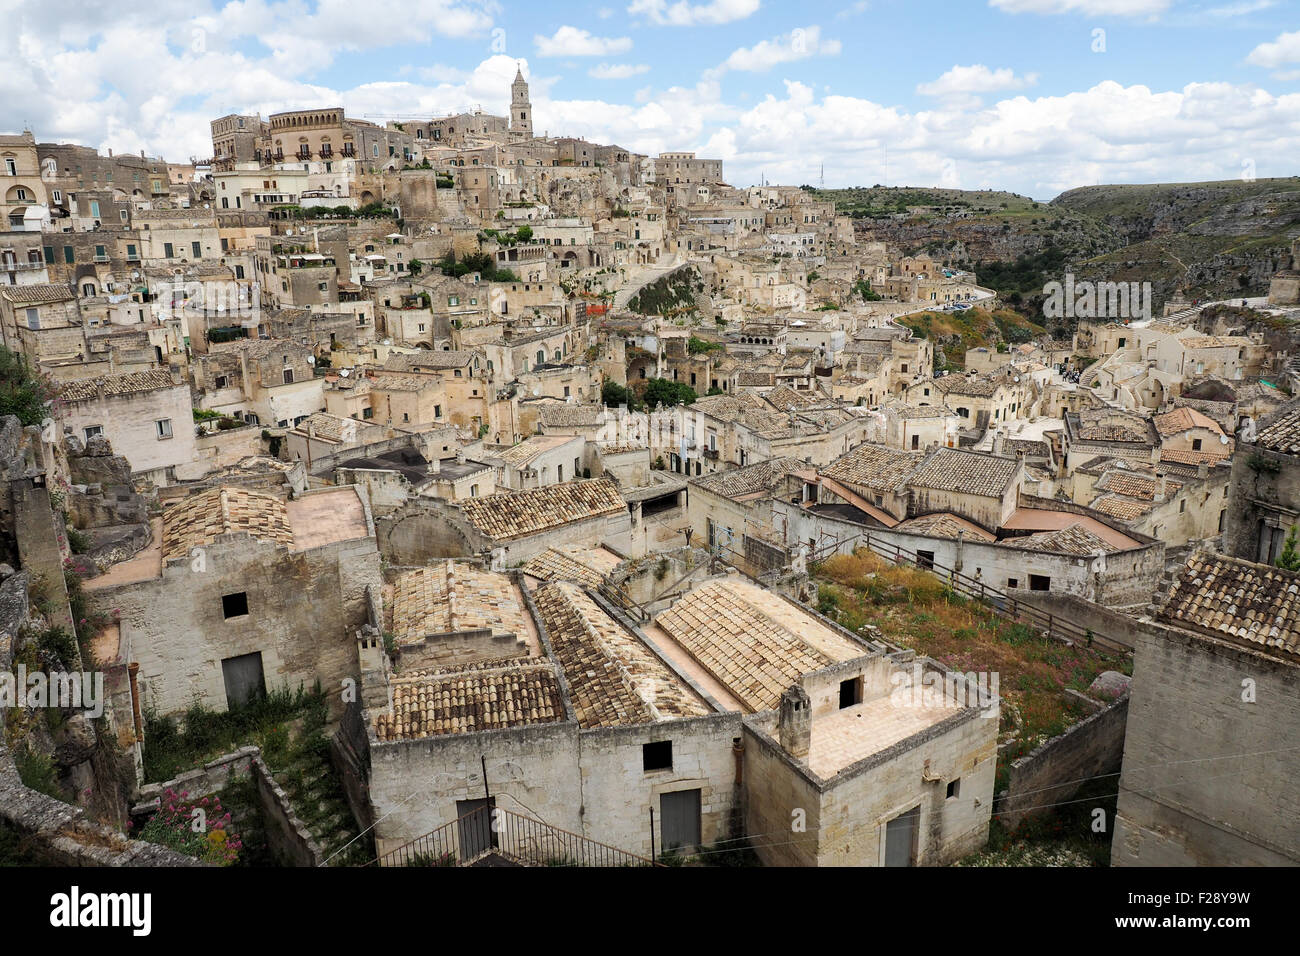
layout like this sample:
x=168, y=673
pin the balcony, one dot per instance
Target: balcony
x=711, y=454
x=15, y=266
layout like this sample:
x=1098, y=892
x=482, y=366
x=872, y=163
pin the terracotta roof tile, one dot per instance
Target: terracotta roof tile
x=515, y=515
x=200, y=519
x=1254, y=605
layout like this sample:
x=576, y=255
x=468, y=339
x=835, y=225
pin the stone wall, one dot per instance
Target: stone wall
x=304, y=609
x=53, y=832
x=287, y=836
x=1055, y=771
x=1209, y=760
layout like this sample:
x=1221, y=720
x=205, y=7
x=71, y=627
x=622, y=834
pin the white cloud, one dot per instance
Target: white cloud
x=962, y=81
x=1241, y=9
x=1092, y=8
x=617, y=71
x=800, y=44
x=572, y=41
x=1285, y=49
x=685, y=14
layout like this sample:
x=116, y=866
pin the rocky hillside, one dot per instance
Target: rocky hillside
x=1206, y=240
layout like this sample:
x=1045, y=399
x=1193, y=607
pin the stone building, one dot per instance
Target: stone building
x=1264, y=497
x=146, y=417
x=243, y=592
x=1209, y=752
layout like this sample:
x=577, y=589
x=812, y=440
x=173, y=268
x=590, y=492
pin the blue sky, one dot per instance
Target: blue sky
x=1035, y=96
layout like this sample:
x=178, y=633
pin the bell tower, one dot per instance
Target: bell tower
x=521, y=109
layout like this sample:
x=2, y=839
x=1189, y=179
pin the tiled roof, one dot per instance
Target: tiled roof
x=1181, y=419
x=403, y=362
x=751, y=641
x=1181, y=457
x=977, y=386
x=763, y=476
x=1282, y=434
x=450, y=597
x=1126, y=509
x=199, y=519
x=1254, y=605
x=565, y=414
x=875, y=467
x=470, y=700
x=332, y=427
x=969, y=472
x=613, y=678
x=1142, y=487
x=556, y=565
x=524, y=453
x=514, y=515
x=114, y=386
x=1075, y=539
x=1106, y=425
x=37, y=294
x=944, y=525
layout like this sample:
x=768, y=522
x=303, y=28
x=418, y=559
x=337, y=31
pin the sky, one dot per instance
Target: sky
x=1032, y=96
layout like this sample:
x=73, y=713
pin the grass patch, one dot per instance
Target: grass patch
x=206, y=734
x=916, y=609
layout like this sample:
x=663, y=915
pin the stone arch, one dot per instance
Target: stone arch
x=418, y=534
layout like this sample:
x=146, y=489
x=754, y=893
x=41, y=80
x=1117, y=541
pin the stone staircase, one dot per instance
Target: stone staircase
x=642, y=276
x=316, y=795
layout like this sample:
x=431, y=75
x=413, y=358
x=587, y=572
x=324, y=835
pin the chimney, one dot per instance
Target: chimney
x=794, y=724
x=110, y=153
x=1202, y=469
x=1161, y=487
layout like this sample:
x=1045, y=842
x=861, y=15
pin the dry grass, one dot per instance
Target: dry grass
x=915, y=609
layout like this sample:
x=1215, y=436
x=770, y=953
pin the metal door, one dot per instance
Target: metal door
x=243, y=677
x=476, y=834
x=900, y=834
x=680, y=811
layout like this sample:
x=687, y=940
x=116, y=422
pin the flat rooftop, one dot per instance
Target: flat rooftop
x=842, y=738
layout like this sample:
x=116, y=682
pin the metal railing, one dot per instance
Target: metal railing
x=524, y=841
x=1002, y=603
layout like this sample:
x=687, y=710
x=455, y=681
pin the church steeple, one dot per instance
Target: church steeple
x=521, y=108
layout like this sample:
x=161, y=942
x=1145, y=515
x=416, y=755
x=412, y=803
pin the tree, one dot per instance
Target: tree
x=614, y=395
x=415, y=267
x=1289, y=559
x=524, y=233
x=23, y=392
x=666, y=392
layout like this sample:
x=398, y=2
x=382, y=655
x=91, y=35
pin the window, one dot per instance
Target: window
x=288, y=376
x=657, y=755
x=925, y=559
x=954, y=788
x=33, y=318
x=904, y=366
x=234, y=605
x=1013, y=583
x=197, y=249
x=367, y=413
x=1196, y=444
x=11, y=167
x=94, y=209
x=69, y=256
x=168, y=251
x=1040, y=582
x=916, y=442
x=164, y=428
x=850, y=692
x=58, y=197
x=437, y=411
x=131, y=254
x=93, y=431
